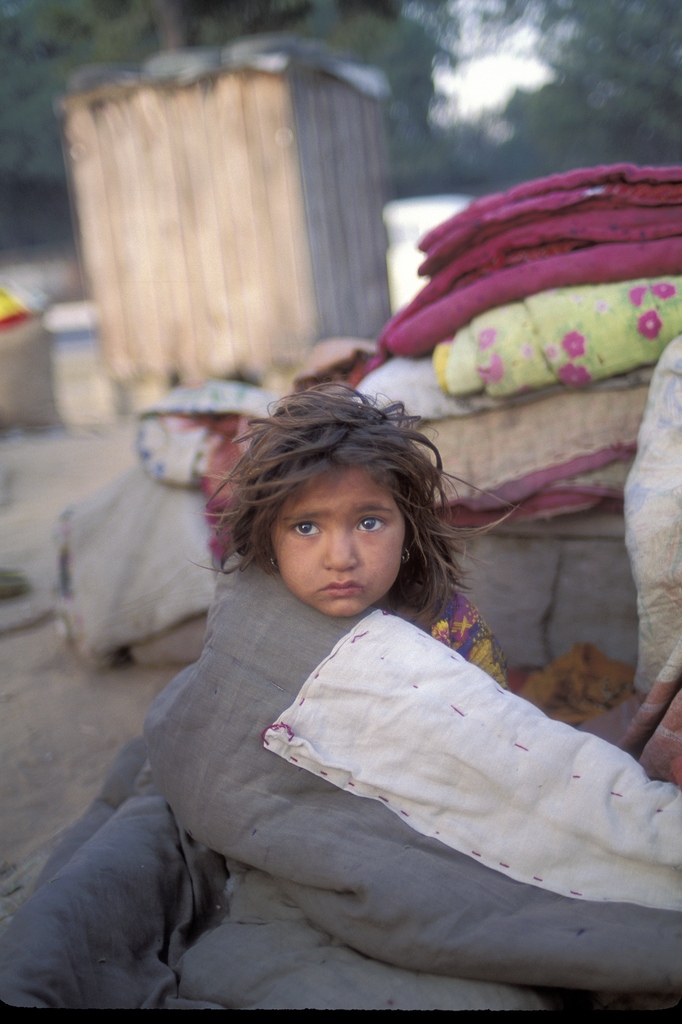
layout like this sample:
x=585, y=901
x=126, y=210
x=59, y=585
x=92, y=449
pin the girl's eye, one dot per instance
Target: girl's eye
x=305, y=529
x=370, y=523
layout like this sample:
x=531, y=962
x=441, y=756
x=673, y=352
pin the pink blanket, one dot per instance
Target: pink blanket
x=491, y=250
x=419, y=333
x=587, y=226
x=620, y=185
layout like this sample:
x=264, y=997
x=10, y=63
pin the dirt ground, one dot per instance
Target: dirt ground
x=61, y=721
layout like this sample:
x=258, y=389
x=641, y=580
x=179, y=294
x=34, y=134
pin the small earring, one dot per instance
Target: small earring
x=273, y=563
x=405, y=557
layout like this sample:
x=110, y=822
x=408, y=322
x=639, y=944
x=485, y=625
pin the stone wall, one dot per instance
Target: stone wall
x=545, y=586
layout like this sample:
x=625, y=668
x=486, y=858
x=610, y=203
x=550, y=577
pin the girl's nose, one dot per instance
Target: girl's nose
x=341, y=550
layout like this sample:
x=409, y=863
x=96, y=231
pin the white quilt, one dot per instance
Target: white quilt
x=394, y=715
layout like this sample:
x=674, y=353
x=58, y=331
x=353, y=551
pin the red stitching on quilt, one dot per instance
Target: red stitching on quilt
x=281, y=725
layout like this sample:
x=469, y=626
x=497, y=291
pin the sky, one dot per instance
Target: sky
x=488, y=69
x=488, y=82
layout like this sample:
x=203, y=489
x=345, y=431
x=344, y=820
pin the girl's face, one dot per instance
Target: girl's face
x=338, y=542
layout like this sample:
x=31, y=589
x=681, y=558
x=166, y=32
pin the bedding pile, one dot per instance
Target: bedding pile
x=27, y=396
x=150, y=531
x=564, y=451
x=336, y=900
x=482, y=858
x=590, y=226
x=652, y=516
x=560, y=286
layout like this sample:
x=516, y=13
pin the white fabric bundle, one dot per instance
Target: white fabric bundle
x=138, y=563
x=653, y=498
x=396, y=716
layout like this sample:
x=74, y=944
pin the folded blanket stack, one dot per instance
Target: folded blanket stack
x=591, y=226
x=566, y=453
x=556, y=284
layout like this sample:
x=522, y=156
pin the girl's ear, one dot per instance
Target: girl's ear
x=409, y=530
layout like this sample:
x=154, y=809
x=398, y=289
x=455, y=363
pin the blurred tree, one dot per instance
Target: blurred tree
x=406, y=48
x=401, y=39
x=617, y=90
x=94, y=31
x=31, y=171
x=43, y=41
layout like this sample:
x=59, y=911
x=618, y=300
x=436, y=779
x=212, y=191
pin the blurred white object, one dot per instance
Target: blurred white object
x=66, y=317
x=407, y=221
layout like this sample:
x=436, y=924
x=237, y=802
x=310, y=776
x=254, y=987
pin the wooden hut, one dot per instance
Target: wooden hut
x=229, y=206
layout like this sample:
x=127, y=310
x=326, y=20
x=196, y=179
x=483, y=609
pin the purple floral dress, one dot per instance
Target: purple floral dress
x=462, y=629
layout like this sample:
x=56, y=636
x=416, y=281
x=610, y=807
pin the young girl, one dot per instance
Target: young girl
x=396, y=801
x=348, y=503
x=494, y=846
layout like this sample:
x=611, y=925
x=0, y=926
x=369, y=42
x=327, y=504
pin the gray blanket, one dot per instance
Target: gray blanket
x=351, y=866
x=130, y=912
x=116, y=905
x=331, y=902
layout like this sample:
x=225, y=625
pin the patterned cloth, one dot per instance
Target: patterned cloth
x=187, y=436
x=463, y=630
x=573, y=336
x=12, y=309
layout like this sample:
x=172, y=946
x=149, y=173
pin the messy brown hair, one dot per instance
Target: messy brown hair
x=332, y=427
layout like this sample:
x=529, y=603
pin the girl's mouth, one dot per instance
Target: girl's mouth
x=351, y=587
